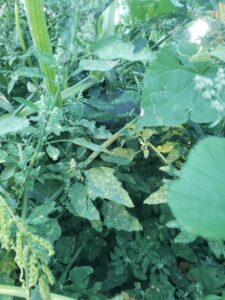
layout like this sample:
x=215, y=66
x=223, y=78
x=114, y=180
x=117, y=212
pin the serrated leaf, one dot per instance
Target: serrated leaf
x=12, y=124
x=80, y=204
x=158, y=197
x=197, y=199
x=113, y=48
x=102, y=183
x=116, y=216
x=97, y=65
x=119, y=156
x=53, y=152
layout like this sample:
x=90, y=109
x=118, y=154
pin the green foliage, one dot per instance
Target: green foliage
x=84, y=179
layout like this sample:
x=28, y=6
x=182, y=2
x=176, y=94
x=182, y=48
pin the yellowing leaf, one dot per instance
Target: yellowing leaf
x=166, y=148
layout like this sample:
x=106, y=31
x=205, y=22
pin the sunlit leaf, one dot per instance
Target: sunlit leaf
x=116, y=216
x=102, y=183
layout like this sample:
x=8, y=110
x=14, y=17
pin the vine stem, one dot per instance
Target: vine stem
x=13, y=291
x=74, y=258
x=33, y=160
x=108, y=143
x=162, y=158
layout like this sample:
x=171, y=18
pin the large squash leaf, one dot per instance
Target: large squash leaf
x=169, y=96
x=103, y=184
x=197, y=199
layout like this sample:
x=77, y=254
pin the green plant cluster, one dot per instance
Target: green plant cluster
x=111, y=150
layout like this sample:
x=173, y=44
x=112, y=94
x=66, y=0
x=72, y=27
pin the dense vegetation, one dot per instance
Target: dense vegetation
x=112, y=150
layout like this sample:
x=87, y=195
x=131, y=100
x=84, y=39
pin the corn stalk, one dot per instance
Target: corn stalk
x=40, y=36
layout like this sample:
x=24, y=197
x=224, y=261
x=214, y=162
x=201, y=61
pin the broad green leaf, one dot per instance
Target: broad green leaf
x=113, y=48
x=80, y=204
x=219, y=52
x=170, y=96
x=102, y=183
x=12, y=124
x=116, y=216
x=97, y=65
x=86, y=144
x=119, y=156
x=158, y=197
x=53, y=152
x=197, y=199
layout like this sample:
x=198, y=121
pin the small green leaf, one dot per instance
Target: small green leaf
x=116, y=216
x=12, y=124
x=97, y=65
x=119, y=156
x=53, y=152
x=158, y=197
x=101, y=183
x=185, y=237
x=197, y=199
x=80, y=277
x=80, y=204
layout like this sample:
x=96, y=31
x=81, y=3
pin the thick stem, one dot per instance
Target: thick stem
x=40, y=36
x=21, y=39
